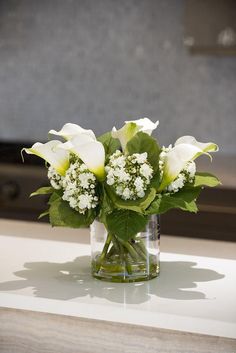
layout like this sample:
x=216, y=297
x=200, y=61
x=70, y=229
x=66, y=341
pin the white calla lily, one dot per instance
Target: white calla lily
x=91, y=152
x=205, y=147
x=76, y=141
x=49, y=151
x=131, y=128
x=144, y=125
x=186, y=149
x=69, y=131
x=125, y=134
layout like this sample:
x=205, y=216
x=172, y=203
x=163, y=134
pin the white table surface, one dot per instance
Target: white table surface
x=46, y=269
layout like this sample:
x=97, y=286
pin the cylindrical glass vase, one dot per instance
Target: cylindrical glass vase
x=115, y=260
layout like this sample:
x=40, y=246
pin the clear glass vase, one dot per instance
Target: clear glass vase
x=135, y=260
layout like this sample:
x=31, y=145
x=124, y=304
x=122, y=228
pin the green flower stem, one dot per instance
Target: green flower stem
x=132, y=253
x=130, y=249
x=112, y=251
x=124, y=256
x=115, y=243
x=105, y=248
x=128, y=265
x=143, y=247
x=140, y=251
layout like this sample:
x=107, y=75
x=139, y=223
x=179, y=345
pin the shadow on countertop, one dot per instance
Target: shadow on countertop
x=69, y=280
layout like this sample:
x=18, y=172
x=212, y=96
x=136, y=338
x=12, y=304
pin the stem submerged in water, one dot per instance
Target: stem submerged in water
x=105, y=248
x=123, y=256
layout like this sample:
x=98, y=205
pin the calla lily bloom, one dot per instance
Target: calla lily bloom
x=49, y=151
x=69, y=131
x=186, y=149
x=77, y=140
x=131, y=128
x=205, y=147
x=125, y=134
x=91, y=152
x=145, y=125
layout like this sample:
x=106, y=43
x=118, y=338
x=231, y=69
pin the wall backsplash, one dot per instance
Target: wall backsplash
x=98, y=63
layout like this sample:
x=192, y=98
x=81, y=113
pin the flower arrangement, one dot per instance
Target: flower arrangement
x=120, y=179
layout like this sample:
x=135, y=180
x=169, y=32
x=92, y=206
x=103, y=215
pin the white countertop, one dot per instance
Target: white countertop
x=46, y=269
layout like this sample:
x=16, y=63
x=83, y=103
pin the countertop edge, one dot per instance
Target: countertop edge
x=135, y=317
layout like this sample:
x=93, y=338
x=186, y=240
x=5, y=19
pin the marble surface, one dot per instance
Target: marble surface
x=47, y=270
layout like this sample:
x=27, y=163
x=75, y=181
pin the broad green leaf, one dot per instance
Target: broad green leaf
x=110, y=144
x=138, y=205
x=55, y=215
x=55, y=195
x=206, y=179
x=125, y=224
x=155, y=181
x=188, y=193
x=61, y=214
x=184, y=199
x=141, y=143
x=42, y=191
x=168, y=202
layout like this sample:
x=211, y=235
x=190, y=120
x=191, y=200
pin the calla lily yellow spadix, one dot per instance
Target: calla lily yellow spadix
x=69, y=131
x=131, y=128
x=186, y=149
x=49, y=151
x=91, y=152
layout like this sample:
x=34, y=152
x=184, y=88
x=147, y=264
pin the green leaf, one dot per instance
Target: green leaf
x=106, y=205
x=184, y=199
x=155, y=206
x=125, y=224
x=138, y=205
x=188, y=193
x=141, y=143
x=55, y=215
x=42, y=191
x=110, y=144
x=61, y=214
x=56, y=195
x=155, y=181
x=168, y=202
x=206, y=179
x=43, y=214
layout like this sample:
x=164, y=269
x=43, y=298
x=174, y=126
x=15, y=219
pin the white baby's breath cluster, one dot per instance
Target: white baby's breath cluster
x=79, y=187
x=187, y=174
x=129, y=175
x=55, y=178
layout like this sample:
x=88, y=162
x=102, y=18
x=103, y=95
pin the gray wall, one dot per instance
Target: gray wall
x=100, y=62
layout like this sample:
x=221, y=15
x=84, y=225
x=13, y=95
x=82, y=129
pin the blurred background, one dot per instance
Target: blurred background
x=98, y=63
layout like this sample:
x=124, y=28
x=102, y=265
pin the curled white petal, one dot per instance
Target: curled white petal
x=76, y=141
x=93, y=155
x=176, y=159
x=131, y=128
x=145, y=125
x=125, y=133
x=186, y=149
x=205, y=147
x=69, y=131
x=91, y=152
x=49, y=151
